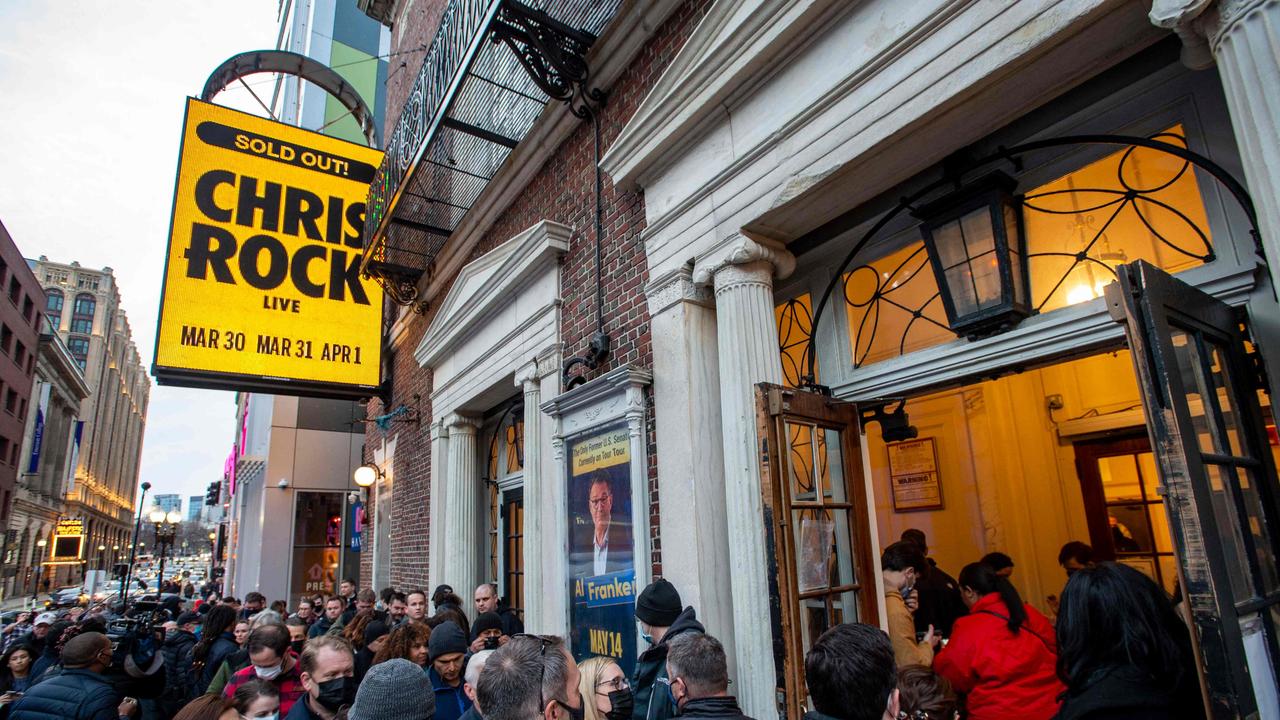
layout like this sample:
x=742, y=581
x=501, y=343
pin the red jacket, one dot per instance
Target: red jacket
x=289, y=683
x=1004, y=675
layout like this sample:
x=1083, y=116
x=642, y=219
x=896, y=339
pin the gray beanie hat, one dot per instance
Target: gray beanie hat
x=446, y=638
x=394, y=689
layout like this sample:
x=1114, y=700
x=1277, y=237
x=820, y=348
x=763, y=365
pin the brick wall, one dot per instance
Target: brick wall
x=563, y=191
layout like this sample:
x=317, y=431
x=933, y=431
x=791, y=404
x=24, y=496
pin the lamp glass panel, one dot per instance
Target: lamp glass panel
x=1010, y=214
x=986, y=280
x=948, y=242
x=979, y=235
x=960, y=285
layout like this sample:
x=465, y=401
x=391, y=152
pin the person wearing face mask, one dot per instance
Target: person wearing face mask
x=271, y=660
x=328, y=666
x=605, y=689
x=256, y=700
x=661, y=621
x=532, y=676
x=900, y=564
x=297, y=633
x=699, y=675
x=395, y=690
x=447, y=648
x=80, y=692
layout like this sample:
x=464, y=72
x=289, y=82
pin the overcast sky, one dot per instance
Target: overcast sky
x=92, y=95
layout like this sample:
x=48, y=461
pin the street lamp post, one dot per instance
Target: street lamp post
x=39, y=570
x=166, y=531
x=133, y=550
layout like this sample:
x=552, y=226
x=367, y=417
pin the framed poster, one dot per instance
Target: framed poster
x=601, y=556
x=913, y=475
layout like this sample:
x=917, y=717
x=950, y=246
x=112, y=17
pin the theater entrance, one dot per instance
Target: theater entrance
x=1166, y=464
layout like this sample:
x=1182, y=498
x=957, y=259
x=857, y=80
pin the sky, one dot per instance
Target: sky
x=92, y=98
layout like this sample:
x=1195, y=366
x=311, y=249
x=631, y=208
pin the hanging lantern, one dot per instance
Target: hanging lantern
x=978, y=253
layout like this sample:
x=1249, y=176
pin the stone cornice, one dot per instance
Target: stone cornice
x=734, y=45
x=675, y=287
x=489, y=283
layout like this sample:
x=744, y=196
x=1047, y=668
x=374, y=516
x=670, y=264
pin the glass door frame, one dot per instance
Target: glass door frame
x=776, y=408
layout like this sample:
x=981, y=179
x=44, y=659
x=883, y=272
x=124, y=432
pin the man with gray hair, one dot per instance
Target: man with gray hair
x=469, y=680
x=531, y=676
x=699, y=676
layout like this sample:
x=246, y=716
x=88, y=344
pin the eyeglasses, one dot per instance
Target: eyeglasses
x=618, y=683
x=599, y=502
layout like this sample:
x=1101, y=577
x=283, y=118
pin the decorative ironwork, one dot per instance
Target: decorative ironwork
x=1096, y=249
x=486, y=77
x=400, y=283
x=795, y=328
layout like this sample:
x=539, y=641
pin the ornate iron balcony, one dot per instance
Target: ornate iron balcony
x=488, y=74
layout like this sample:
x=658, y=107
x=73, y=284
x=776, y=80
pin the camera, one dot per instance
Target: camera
x=491, y=643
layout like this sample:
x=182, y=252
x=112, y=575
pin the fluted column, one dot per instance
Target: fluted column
x=1243, y=38
x=741, y=274
x=439, y=498
x=530, y=382
x=463, y=507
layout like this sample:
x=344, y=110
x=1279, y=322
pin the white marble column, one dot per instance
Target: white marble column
x=1243, y=38
x=690, y=457
x=741, y=274
x=530, y=383
x=462, y=551
x=439, y=532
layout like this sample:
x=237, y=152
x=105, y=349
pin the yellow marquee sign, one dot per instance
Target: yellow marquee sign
x=262, y=289
x=68, y=542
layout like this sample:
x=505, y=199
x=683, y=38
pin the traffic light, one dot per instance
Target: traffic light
x=211, y=495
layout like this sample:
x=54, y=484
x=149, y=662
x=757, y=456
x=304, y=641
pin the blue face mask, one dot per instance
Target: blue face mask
x=647, y=637
x=198, y=631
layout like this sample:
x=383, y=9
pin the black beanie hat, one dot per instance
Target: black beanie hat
x=659, y=604
x=375, y=630
x=446, y=638
x=485, y=621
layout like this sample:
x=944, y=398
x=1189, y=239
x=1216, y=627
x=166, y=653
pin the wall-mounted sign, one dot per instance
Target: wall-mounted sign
x=262, y=290
x=68, y=542
x=913, y=474
x=602, y=572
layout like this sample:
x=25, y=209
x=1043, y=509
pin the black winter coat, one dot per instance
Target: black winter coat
x=179, y=686
x=218, y=652
x=716, y=708
x=1126, y=694
x=74, y=695
x=650, y=682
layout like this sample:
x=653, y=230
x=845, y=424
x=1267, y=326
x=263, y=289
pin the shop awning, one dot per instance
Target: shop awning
x=488, y=74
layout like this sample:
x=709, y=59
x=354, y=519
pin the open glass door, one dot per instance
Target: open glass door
x=816, y=524
x=1217, y=477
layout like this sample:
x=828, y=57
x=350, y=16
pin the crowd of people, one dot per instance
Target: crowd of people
x=967, y=647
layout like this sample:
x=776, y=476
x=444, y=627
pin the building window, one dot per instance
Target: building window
x=53, y=308
x=22, y=409
x=19, y=353
x=4, y=449
x=15, y=289
x=55, y=277
x=10, y=401
x=795, y=327
x=79, y=348
x=28, y=308
x=82, y=314
x=87, y=282
x=504, y=476
x=317, y=543
x=6, y=339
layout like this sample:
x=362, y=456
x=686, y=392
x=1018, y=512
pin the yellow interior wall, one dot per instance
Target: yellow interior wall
x=1009, y=483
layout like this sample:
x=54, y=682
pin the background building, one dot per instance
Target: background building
x=336, y=33
x=19, y=329
x=84, y=305
x=169, y=502
x=195, y=504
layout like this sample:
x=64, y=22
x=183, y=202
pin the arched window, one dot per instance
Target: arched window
x=82, y=314
x=79, y=347
x=53, y=307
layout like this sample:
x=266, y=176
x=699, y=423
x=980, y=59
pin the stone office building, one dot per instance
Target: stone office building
x=1013, y=243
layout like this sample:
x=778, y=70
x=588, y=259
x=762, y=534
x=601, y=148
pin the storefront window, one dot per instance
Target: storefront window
x=317, y=543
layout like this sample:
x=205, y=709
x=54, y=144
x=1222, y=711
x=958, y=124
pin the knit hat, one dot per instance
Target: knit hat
x=446, y=638
x=485, y=621
x=190, y=617
x=441, y=592
x=375, y=630
x=394, y=689
x=659, y=604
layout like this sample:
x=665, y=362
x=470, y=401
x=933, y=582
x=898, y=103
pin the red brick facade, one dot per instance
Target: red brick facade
x=562, y=191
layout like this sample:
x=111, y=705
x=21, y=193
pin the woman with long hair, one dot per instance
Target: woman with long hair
x=15, y=668
x=207, y=707
x=606, y=694
x=256, y=699
x=409, y=641
x=354, y=630
x=217, y=641
x=1002, y=655
x=1123, y=651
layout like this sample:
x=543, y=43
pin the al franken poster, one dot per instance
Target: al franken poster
x=601, y=558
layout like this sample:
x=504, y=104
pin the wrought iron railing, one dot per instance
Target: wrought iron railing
x=487, y=75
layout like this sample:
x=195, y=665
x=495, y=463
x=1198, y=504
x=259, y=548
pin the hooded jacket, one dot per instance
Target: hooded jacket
x=650, y=683
x=1004, y=674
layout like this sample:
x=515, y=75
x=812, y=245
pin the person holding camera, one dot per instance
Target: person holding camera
x=487, y=633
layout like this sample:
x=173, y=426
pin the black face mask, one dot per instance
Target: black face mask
x=297, y=645
x=621, y=703
x=335, y=693
x=577, y=713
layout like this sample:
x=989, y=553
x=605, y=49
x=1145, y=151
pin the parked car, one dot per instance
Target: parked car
x=68, y=596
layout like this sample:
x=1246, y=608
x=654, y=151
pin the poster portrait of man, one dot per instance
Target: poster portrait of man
x=610, y=541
